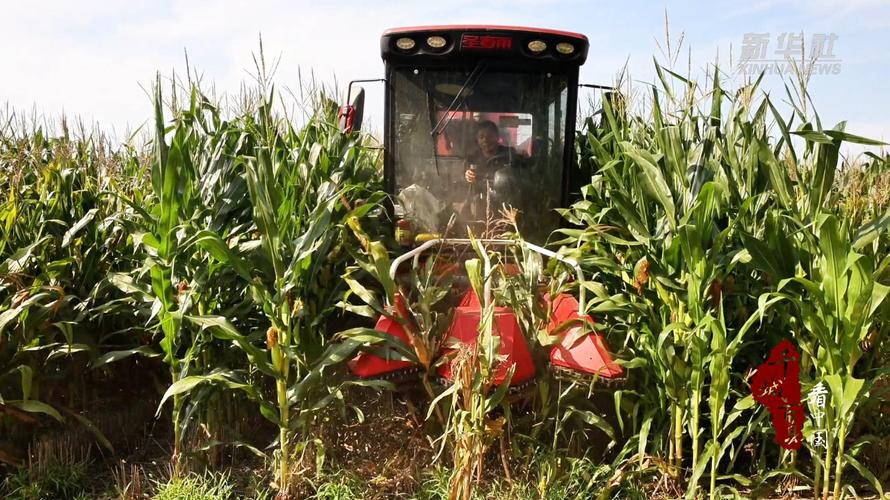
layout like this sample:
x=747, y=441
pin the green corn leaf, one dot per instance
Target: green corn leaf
x=369, y=336
x=333, y=355
x=665, y=84
x=365, y=311
x=238, y=444
x=814, y=136
x=90, y=426
x=868, y=233
x=382, y=263
x=368, y=297
x=20, y=259
x=865, y=473
x=704, y=461
x=222, y=329
x=845, y=391
x=823, y=175
x=27, y=377
x=728, y=440
x=226, y=378
x=474, y=273
x=643, y=436
x=269, y=412
x=834, y=258
x=839, y=135
x=653, y=179
x=114, y=356
x=67, y=350
x=590, y=418
x=444, y=394
x=78, y=226
x=783, y=128
x=7, y=317
x=33, y=406
x=380, y=385
x=216, y=247
x=130, y=286
x=493, y=401
x=744, y=481
x=777, y=173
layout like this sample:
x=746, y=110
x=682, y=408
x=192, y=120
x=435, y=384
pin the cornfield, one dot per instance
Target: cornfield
x=204, y=291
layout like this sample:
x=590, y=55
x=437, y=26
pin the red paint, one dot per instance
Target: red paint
x=470, y=299
x=484, y=27
x=368, y=365
x=346, y=118
x=776, y=385
x=442, y=269
x=511, y=269
x=513, y=348
x=580, y=349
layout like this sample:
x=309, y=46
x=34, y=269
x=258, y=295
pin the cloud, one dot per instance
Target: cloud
x=93, y=68
x=92, y=58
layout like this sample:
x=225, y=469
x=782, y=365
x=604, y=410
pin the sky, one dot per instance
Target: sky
x=95, y=59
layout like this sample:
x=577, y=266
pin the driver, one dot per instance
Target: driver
x=490, y=157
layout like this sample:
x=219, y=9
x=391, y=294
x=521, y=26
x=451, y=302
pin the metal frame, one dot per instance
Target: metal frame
x=416, y=252
x=353, y=82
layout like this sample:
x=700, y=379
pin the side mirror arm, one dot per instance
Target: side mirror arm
x=349, y=116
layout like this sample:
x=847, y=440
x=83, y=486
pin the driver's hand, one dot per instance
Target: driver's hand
x=470, y=176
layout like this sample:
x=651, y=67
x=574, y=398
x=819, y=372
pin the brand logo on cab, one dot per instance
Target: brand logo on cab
x=486, y=42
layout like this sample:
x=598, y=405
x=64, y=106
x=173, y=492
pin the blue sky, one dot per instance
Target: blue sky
x=93, y=59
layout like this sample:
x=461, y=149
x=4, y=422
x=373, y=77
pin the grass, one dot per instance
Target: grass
x=342, y=486
x=56, y=470
x=207, y=486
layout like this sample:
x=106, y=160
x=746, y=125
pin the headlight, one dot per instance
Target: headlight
x=537, y=46
x=405, y=43
x=436, y=42
x=565, y=48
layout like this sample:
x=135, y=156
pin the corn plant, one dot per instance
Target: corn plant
x=839, y=305
x=55, y=248
x=696, y=216
x=416, y=305
x=300, y=184
x=828, y=272
x=473, y=394
x=664, y=226
x=162, y=227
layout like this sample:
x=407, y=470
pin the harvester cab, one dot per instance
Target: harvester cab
x=476, y=118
